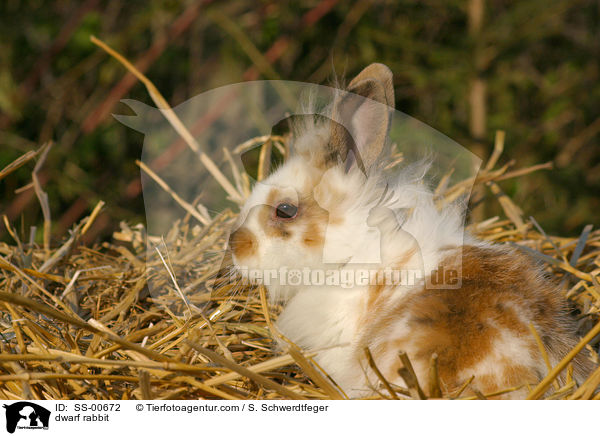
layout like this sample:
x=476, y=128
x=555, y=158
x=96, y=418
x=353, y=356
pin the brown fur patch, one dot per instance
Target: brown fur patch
x=311, y=220
x=314, y=219
x=313, y=236
x=243, y=243
x=376, y=298
x=333, y=148
x=501, y=291
x=273, y=228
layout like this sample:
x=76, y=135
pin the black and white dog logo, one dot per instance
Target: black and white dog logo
x=26, y=415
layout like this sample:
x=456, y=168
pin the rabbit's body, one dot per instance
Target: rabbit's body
x=480, y=329
x=317, y=214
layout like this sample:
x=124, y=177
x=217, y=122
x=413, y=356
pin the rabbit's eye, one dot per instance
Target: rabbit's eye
x=286, y=211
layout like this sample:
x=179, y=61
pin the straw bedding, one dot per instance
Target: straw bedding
x=78, y=321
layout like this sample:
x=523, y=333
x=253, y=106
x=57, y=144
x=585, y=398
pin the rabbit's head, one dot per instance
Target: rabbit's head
x=313, y=210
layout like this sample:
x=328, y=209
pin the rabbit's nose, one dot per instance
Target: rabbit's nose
x=243, y=243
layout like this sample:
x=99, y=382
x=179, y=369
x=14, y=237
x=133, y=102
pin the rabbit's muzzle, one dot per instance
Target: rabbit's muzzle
x=243, y=243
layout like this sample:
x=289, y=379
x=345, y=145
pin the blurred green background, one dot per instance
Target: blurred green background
x=466, y=68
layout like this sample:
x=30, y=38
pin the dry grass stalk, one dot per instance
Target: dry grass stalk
x=545, y=383
x=407, y=373
x=378, y=373
x=543, y=351
x=19, y=162
x=435, y=391
x=180, y=201
x=162, y=104
x=42, y=196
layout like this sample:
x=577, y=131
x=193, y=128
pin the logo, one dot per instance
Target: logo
x=26, y=415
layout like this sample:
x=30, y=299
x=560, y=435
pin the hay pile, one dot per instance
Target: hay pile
x=78, y=321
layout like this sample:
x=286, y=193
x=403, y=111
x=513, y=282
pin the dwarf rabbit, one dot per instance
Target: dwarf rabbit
x=328, y=211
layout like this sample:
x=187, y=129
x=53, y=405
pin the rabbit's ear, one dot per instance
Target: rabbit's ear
x=363, y=116
x=379, y=73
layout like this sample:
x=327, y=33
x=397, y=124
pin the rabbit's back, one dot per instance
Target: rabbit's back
x=480, y=329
